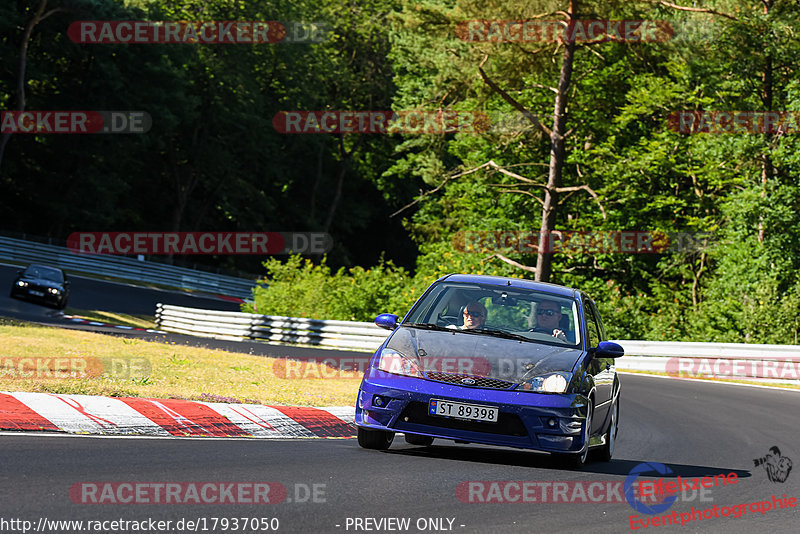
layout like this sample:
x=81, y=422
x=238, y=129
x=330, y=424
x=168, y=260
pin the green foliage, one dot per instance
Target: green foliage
x=299, y=288
x=213, y=160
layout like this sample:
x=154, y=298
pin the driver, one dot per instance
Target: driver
x=474, y=316
x=548, y=319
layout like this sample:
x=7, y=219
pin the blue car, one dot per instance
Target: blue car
x=497, y=361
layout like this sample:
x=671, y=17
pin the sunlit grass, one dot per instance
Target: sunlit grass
x=130, y=367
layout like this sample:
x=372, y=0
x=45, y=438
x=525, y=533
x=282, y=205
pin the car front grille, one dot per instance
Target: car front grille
x=417, y=413
x=479, y=381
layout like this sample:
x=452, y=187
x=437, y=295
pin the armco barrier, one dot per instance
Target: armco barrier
x=21, y=251
x=739, y=361
x=763, y=363
x=348, y=335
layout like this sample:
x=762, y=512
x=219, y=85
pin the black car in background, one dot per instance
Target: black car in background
x=42, y=284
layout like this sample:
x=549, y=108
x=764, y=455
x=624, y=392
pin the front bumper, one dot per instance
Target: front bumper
x=545, y=422
x=37, y=294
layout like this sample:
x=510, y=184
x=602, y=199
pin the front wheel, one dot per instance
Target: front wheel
x=416, y=439
x=578, y=460
x=374, y=439
x=604, y=454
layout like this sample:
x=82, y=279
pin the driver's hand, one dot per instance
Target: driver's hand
x=559, y=334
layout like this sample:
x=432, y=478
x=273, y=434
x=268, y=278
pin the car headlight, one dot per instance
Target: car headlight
x=396, y=363
x=53, y=290
x=20, y=283
x=550, y=383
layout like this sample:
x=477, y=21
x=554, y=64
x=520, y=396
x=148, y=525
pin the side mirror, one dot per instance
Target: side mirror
x=387, y=321
x=609, y=349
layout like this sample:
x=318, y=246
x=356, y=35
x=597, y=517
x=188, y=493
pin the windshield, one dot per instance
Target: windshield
x=44, y=273
x=496, y=310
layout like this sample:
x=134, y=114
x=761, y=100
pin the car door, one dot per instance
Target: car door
x=601, y=368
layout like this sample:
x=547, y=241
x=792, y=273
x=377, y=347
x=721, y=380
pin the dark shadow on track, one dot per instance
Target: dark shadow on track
x=538, y=460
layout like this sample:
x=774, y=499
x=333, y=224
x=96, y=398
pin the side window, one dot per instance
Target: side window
x=602, y=329
x=592, y=332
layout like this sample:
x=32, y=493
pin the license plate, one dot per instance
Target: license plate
x=37, y=293
x=460, y=410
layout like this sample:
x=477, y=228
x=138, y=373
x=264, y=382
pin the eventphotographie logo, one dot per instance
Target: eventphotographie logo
x=777, y=467
x=666, y=491
x=631, y=482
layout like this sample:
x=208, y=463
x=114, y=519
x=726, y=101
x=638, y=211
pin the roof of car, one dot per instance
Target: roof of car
x=545, y=287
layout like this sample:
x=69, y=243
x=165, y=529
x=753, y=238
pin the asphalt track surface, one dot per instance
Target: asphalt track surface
x=696, y=429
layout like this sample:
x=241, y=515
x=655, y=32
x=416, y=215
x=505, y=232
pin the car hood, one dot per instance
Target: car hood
x=41, y=282
x=482, y=355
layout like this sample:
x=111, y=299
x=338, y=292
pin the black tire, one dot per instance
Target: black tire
x=578, y=460
x=416, y=439
x=605, y=453
x=62, y=304
x=374, y=439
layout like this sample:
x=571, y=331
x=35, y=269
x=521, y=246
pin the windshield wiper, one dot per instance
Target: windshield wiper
x=500, y=333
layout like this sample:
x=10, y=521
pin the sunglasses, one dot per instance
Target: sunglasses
x=473, y=314
x=548, y=313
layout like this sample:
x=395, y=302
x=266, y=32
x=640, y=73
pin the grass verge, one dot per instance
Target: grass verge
x=114, y=366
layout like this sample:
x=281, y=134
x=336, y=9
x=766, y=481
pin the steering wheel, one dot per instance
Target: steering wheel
x=447, y=321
